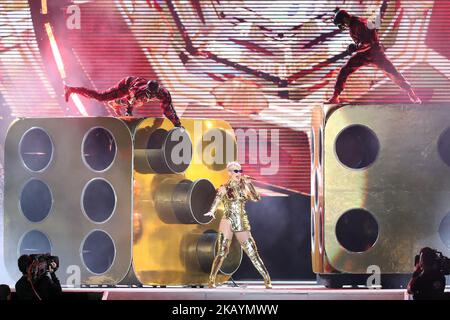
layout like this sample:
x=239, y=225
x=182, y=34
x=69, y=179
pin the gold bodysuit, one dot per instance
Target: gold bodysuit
x=234, y=197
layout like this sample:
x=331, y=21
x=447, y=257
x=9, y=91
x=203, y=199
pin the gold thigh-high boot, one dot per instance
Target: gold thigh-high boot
x=222, y=249
x=250, y=249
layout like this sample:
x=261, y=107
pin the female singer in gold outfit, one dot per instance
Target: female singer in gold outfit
x=233, y=195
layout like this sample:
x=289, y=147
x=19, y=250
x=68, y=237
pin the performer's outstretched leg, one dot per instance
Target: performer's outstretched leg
x=115, y=92
x=223, y=243
x=383, y=63
x=353, y=64
x=85, y=92
x=249, y=246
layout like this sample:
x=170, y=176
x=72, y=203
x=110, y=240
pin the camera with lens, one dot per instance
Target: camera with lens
x=41, y=264
x=437, y=260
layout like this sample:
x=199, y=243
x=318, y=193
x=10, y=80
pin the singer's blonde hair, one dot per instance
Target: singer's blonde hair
x=233, y=165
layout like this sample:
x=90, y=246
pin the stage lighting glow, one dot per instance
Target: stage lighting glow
x=44, y=7
x=59, y=62
x=55, y=50
x=76, y=100
x=208, y=124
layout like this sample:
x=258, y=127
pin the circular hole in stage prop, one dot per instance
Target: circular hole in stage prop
x=217, y=148
x=168, y=151
x=357, y=146
x=191, y=200
x=444, y=230
x=185, y=201
x=98, y=252
x=35, y=200
x=206, y=251
x=444, y=146
x=99, y=149
x=357, y=230
x=34, y=242
x=320, y=146
x=99, y=200
x=36, y=149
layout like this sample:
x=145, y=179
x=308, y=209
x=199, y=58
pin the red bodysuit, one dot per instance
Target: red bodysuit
x=369, y=51
x=132, y=92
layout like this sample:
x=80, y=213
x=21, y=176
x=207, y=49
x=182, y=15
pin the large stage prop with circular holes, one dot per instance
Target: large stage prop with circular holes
x=380, y=186
x=119, y=200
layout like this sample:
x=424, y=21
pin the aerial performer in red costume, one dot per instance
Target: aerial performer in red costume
x=131, y=92
x=368, y=51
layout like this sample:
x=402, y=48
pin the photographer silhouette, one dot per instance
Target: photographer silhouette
x=428, y=280
x=35, y=284
x=5, y=292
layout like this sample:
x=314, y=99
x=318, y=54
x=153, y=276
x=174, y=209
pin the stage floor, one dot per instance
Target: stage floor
x=247, y=291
